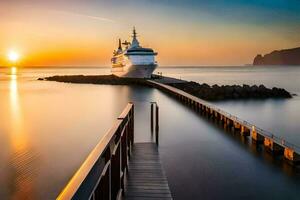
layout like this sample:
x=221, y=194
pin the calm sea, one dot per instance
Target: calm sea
x=47, y=129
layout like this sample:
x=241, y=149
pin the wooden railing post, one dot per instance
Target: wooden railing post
x=115, y=172
x=124, y=146
x=157, y=124
x=156, y=109
x=104, y=187
x=132, y=125
x=151, y=116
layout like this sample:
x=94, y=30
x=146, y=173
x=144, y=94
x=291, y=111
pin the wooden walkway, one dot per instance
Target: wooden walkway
x=146, y=179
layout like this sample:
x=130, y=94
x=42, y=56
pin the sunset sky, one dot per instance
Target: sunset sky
x=190, y=32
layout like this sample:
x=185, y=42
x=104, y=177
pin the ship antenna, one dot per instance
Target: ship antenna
x=135, y=42
x=134, y=33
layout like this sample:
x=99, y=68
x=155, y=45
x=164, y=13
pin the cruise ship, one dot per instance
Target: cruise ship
x=132, y=60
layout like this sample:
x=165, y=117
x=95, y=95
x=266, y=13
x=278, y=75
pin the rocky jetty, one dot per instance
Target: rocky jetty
x=224, y=92
x=281, y=57
x=96, y=79
x=202, y=91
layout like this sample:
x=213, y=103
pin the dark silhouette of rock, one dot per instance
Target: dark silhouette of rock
x=258, y=60
x=224, y=92
x=97, y=79
x=282, y=57
x=203, y=91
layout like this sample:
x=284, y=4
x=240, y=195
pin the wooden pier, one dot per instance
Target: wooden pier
x=272, y=143
x=118, y=168
x=146, y=178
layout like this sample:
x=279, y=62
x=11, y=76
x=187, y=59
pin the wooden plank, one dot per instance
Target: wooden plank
x=146, y=178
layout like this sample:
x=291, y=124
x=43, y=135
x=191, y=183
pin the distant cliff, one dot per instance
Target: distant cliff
x=281, y=57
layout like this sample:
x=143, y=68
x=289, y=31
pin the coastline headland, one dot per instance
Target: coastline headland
x=279, y=57
x=203, y=91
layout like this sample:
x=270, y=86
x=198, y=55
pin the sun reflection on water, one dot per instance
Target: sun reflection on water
x=13, y=71
x=22, y=157
x=13, y=90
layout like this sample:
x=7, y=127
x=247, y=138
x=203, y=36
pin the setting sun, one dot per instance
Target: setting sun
x=13, y=56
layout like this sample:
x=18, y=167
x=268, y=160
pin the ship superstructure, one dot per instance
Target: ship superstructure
x=132, y=60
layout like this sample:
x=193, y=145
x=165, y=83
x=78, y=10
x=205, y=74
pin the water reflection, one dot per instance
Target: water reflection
x=22, y=167
x=195, y=154
x=14, y=71
x=257, y=149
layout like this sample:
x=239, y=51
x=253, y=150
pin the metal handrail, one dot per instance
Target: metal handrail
x=90, y=178
x=267, y=134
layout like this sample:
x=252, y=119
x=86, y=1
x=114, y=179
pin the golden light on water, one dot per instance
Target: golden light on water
x=13, y=87
x=17, y=127
x=13, y=72
x=21, y=153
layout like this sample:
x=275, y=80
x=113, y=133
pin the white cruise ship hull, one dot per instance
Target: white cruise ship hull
x=134, y=71
x=133, y=61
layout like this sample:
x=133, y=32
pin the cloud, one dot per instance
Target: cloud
x=95, y=17
x=92, y=17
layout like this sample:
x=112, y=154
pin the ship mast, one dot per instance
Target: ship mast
x=120, y=45
x=134, y=33
x=135, y=42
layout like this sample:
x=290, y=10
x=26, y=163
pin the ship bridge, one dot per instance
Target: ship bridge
x=136, y=49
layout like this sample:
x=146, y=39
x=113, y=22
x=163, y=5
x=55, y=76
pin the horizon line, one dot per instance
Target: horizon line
x=105, y=66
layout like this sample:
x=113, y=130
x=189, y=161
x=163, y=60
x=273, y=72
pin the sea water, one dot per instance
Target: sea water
x=47, y=129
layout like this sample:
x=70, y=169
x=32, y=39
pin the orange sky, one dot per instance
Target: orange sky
x=85, y=34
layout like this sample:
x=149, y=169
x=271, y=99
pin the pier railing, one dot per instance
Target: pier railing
x=195, y=100
x=101, y=176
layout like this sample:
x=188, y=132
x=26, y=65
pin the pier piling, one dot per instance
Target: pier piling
x=152, y=116
x=272, y=146
x=237, y=126
x=291, y=156
x=256, y=137
x=157, y=124
x=245, y=131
